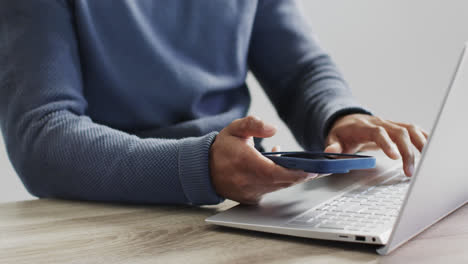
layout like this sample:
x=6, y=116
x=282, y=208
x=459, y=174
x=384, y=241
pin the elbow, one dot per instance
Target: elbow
x=32, y=179
x=30, y=169
x=28, y=143
x=37, y=189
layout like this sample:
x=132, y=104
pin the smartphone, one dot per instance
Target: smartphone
x=321, y=162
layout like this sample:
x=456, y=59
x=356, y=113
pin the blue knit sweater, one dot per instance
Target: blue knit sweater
x=121, y=100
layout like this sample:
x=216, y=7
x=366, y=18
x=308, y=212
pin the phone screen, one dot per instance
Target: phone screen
x=317, y=156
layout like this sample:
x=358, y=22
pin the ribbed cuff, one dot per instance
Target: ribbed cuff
x=194, y=170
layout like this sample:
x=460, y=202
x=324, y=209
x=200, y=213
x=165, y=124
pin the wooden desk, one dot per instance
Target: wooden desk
x=52, y=231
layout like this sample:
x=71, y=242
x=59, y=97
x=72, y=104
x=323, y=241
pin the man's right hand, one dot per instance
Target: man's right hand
x=239, y=172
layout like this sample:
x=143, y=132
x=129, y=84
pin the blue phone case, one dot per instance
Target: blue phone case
x=325, y=165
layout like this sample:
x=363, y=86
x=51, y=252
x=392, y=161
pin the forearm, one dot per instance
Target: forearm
x=66, y=156
x=298, y=75
x=319, y=96
x=56, y=149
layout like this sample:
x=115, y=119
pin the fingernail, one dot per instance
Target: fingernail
x=301, y=173
x=411, y=169
x=311, y=176
x=256, y=118
x=268, y=127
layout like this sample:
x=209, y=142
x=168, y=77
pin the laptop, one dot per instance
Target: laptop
x=379, y=206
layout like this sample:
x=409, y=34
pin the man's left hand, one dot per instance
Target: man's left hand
x=357, y=132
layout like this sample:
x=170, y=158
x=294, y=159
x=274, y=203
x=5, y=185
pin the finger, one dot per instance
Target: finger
x=380, y=136
x=407, y=126
x=417, y=137
x=369, y=146
x=334, y=148
x=275, y=174
x=401, y=137
x=251, y=201
x=266, y=172
x=333, y=145
x=311, y=176
x=278, y=186
x=250, y=126
x=360, y=135
x=279, y=174
x=276, y=149
x=426, y=135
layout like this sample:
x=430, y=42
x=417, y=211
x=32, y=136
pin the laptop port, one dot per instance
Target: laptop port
x=360, y=238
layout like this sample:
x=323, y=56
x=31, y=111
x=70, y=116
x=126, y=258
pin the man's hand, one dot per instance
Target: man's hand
x=239, y=172
x=355, y=132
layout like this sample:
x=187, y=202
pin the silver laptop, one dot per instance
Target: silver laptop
x=379, y=206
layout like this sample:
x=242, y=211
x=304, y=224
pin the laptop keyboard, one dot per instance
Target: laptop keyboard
x=365, y=209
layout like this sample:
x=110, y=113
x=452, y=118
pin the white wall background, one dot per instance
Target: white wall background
x=397, y=55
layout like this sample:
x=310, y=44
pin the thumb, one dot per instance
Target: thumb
x=250, y=126
x=334, y=146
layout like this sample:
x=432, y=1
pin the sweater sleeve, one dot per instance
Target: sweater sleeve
x=60, y=152
x=298, y=76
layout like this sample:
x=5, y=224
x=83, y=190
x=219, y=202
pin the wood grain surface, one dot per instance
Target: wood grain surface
x=55, y=231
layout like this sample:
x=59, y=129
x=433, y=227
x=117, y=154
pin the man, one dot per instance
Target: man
x=123, y=100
